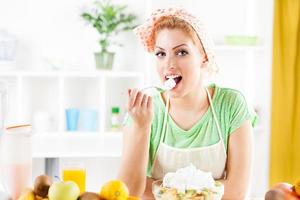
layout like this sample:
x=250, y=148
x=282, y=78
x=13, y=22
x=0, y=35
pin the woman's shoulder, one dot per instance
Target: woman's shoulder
x=233, y=103
x=226, y=92
x=228, y=95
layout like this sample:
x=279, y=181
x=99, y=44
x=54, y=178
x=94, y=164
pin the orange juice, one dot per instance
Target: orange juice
x=76, y=175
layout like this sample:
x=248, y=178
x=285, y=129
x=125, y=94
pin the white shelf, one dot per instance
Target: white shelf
x=82, y=144
x=224, y=47
x=47, y=95
x=76, y=144
x=97, y=73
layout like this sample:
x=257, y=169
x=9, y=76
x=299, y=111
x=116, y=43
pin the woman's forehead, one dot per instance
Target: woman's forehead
x=170, y=38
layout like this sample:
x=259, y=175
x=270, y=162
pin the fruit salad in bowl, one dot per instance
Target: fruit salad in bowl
x=188, y=183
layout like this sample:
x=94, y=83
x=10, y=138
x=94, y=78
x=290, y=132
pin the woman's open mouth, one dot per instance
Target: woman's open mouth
x=177, y=78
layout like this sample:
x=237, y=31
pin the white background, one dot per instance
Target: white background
x=53, y=30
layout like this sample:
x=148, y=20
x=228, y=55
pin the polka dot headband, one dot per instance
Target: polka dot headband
x=146, y=30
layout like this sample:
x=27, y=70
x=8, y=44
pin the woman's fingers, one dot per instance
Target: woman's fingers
x=140, y=107
x=138, y=99
x=132, y=98
x=144, y=101
x=149, y=102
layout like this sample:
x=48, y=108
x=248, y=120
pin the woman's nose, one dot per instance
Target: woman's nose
x=171, y=64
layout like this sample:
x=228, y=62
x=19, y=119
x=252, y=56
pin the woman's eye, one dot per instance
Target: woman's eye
x=160, y=54
x=182, y=53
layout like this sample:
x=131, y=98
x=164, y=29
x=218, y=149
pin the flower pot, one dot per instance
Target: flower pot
x=104, y=60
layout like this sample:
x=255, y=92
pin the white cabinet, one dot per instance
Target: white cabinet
x=51, y=93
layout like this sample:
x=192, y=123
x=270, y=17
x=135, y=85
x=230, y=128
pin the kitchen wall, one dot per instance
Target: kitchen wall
x=53, y=31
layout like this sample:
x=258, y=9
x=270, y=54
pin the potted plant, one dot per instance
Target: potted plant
x=109, y=20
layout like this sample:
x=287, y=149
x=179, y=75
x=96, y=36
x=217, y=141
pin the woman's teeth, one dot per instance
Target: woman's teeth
x=172, y=76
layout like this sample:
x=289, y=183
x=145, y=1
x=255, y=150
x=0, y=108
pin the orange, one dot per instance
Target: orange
x=114, y=190
x=297, y=186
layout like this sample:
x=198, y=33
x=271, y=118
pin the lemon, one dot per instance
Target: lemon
x=27, y=195
x=114, y=190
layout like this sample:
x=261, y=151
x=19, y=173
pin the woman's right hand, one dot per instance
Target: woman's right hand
x=135, y=154
x=140, y=108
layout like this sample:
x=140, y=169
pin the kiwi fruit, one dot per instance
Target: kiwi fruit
x=89, y=196
x=42, y=184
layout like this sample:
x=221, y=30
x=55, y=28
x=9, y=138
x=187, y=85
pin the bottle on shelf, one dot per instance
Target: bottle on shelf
x=115, y=119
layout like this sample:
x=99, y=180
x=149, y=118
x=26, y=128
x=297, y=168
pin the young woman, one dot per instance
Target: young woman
x=208, y=126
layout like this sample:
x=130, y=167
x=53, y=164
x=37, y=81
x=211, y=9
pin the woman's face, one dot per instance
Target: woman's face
x=178, y=57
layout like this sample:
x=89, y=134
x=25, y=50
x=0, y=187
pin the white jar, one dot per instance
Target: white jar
x=16, y=159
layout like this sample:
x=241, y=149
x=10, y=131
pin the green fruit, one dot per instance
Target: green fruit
x=67, y=190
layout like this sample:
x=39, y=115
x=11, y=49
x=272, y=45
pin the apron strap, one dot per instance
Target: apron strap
x=216, y=119
x=162, y=138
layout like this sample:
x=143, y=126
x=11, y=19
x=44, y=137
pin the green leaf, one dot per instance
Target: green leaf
x=109, y=19
x=88, y=17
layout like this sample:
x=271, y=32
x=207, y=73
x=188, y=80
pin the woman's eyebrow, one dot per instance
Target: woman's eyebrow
x=173, y=47
x=179, y=46
x=159, y=47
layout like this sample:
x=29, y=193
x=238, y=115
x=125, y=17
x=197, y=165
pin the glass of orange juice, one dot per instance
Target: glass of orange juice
x=75, y=172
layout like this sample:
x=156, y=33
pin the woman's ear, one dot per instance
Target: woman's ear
x=204, y=61
x=205, y=58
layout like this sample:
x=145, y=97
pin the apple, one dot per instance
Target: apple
x=64, y=190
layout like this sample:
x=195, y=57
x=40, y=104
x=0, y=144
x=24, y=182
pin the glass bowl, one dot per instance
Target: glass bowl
x=164, y=193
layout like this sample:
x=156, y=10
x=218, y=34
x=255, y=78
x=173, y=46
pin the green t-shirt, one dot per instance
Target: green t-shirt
x=231, y=111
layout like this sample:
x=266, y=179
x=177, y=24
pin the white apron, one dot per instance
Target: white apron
x=210, y=158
